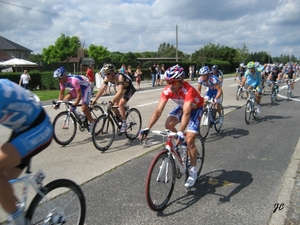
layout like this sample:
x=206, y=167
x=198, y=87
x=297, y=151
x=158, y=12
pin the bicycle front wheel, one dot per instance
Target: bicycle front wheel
x=61, y=201
x=96, y=111
x=219, y=119
x=160, y=181
x=248, y=111
x=103, y=133
x=64, y=128
x=134, y=123
x=205, y=123
x=238, y=92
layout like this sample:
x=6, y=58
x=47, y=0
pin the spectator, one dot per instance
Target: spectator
x=24, y=80
x=129, y=72
x=162, y=74
x=138, y=77
x=153, y=73
x=91, y=76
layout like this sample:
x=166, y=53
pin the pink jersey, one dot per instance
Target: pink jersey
x=187, y=93
x=76, y=82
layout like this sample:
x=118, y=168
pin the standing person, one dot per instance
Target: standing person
x=31, y=133
x=138, y=77
x=91, y=76
x=80, y=90
x=102, y=77
x=153, y=73
x=157, y=81
x=187, y=112
x=125, y=91
x=191, y=73
x=24, y=80
x=123, y=69
x=129, y=72
x=162, y=72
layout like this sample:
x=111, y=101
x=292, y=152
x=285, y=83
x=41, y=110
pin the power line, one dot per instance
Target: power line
x=96, y=22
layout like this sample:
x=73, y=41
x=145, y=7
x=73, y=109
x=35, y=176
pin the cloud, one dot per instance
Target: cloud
x=142, y=25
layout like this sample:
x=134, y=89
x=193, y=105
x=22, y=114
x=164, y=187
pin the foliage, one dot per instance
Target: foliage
x=116, y=56
x=129, y=58
x=242, y=54
x=64, y=48
x=99, y=53
x=168, y=50
x=37, y=58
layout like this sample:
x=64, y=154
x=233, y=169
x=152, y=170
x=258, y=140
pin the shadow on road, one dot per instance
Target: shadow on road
x=210, y=183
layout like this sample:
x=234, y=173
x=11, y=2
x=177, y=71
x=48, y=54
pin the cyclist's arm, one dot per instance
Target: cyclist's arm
x=199, y=88
x=219, y=93
x=157, y=113
x=78, y=98
x=61, y=94
x=100, y=92
x=118, y=95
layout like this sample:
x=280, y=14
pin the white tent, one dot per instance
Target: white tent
x=18, y=62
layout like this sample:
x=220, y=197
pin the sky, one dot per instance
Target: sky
x=125, y=26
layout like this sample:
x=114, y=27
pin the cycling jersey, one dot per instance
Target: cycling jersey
x=211, y=82
x=187, y=93
x=21, y=111
x=241, y=71
x=125, y=80
x=254, y=79
x=76, y=82
x=290, y=75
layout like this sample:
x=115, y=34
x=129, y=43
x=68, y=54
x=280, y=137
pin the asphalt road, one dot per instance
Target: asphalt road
x=241, y=177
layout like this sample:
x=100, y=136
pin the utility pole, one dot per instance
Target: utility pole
x=176, y=43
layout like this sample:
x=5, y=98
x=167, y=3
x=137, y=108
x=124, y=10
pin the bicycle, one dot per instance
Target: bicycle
x=251, y=106
x=211, y=117
x=274, y=90
x=289, y=92
x=103, y=133
x=65, y=123
x=168, y=165
x=240, y=90
x=60, y=201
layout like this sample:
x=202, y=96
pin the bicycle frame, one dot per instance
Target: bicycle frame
x=28, y=180
x=171, y=150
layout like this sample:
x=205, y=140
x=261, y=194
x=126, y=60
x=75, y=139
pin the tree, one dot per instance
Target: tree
x=242, y=54
x=64, y=48
x=37, y=58
x=129, y=57
x=99, y=53
x=116, y=56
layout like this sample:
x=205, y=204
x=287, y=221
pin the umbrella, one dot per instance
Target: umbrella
x=18, y=62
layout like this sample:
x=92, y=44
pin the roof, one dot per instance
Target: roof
x=7, y=45
x=4, y=56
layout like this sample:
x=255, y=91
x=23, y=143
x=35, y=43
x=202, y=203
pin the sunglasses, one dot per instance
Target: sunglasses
x=169, y=82
x=107, y=74
x=58, y=78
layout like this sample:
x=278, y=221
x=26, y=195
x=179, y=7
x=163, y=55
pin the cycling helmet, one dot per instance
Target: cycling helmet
x=275, y=68
x=242, y=64
x=59, y=72
x=215, y=67
x=108, y=68
x=256, y=64
x=204, y=70
x=174, y=72
x=250, y=65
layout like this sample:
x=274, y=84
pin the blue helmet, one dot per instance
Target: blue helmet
x=174, y=72
x=204, y=70
x=215, y=67
x=59, y=72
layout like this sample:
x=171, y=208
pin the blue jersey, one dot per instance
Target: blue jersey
x=18, y=107
x=211, y=82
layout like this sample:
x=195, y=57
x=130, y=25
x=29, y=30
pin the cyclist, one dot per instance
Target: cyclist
x=275, y=75
x=187, y=112
x=214, y=89
x=125, y=90
x=32, y=132
x=252, y=79
x=240, y=74
x=80, y=90
x=290, y=75
x=218, y=73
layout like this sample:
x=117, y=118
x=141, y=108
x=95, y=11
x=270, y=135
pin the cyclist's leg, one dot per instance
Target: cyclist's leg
x=173, y=119
x=86, y=96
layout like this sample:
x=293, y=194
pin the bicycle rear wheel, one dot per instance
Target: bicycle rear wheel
x=62, y=202
x=160, y=181
x=64, y=128
x=248, y=111
x=103, y=133
x=219, y=119
x=204, y=124
x=134, y=123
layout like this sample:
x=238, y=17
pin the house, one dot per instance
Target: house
x=4, y=56
x=13, y=49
